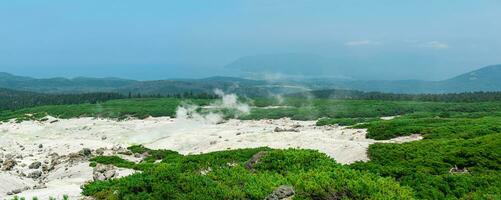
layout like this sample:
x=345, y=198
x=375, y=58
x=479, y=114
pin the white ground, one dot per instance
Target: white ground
x=185, y=136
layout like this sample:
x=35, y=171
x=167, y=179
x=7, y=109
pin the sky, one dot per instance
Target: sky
x=158, y=39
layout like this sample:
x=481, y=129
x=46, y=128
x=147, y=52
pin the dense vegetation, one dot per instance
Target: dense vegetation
x=226, y=175
x=11, y=99
x=118, y=109
x=426, y=166
x=460, y=156
x=360, y=95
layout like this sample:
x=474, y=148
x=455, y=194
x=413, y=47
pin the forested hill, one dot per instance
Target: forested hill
x=157, y=87
x=487, y=79
x=11, y=99
x=360, y=95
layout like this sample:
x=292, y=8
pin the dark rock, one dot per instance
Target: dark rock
x=16, y=191
x=85, y=152
x=35, y=174
x=35, y=165
x=278, y=129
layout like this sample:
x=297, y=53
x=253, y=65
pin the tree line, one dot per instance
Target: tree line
x=12, y=100
x=360, y=95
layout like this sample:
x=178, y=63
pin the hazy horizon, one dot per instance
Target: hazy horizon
x=426, y=40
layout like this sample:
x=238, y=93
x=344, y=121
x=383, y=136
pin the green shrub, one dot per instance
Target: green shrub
x=223, y=175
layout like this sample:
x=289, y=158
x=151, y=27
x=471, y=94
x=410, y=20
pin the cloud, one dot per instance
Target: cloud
x=362, y=43
x=435, y=45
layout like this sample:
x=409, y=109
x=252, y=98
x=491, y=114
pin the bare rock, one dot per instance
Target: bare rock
x=85, y=152
x=16, y=191
x=104, y=172
x=110, y=174
x=99, y=177
x=40, y=186
x=278, y=129
x=35, y=174
x=35, y=165
x=8, y=164
x=100, y=151
x=281, y=193
x=254, y=160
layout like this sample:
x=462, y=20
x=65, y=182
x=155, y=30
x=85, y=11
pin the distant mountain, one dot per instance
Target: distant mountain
x=352, y=64
x=484, y=79
x=61, y=85
x=292, y=65
x=163, y=87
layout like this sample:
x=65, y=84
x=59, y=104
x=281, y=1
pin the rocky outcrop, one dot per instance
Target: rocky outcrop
x=281, y=193
x=278, y=129
x=35, y=165
x=104, y=172
x=35, y=174
x=8, y=164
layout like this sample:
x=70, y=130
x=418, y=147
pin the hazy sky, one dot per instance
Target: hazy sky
x=412, y=39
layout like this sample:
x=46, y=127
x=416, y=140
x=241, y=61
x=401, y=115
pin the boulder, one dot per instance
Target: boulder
x=35, y=165
x=278, y=129
x=281, y=193
x=85, y=152
x=8, y=164
x=104, y=172
x=35, y=174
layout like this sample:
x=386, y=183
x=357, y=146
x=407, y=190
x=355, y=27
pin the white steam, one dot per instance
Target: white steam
x=230, y=101
x=227, y=101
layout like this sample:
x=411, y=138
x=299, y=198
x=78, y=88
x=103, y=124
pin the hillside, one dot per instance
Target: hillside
x=484, y=79
x=163, y=87
x=59, y=85
x=11, y=99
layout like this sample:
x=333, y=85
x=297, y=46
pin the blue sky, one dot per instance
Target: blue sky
x=414, y=39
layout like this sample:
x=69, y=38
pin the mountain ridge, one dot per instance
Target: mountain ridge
x=484, y=79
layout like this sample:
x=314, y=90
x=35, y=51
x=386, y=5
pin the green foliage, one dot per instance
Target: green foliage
x=425, y=165
x=433, y=127
x=343, y=121
x=115, y=160
x=360, y=95
x=222, y=175
x=118, y=109
x=12, y=100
